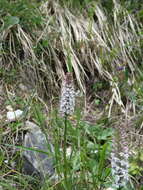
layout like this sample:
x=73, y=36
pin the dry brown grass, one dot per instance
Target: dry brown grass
x=94, y=45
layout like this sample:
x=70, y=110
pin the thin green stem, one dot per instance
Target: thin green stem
x=64, y=154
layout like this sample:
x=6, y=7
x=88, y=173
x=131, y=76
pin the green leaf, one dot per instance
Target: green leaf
x=11, y=21
x=102, y=158
x=141, y=156
x=103, y=135
x=77, y=162
x=26, y=148
x=1, y=158
x=45, y=43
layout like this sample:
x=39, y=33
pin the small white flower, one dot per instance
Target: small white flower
x=116, y=159
x=124, y=163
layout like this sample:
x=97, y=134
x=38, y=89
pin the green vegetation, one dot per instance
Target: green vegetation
x=101, y=42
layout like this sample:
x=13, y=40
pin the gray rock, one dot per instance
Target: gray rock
x=37, y=162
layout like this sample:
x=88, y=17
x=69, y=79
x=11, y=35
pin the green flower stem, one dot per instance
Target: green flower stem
x=64, y=154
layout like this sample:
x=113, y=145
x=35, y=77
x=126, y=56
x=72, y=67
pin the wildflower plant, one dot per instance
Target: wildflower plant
x=67, y=104
x=119, y=158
